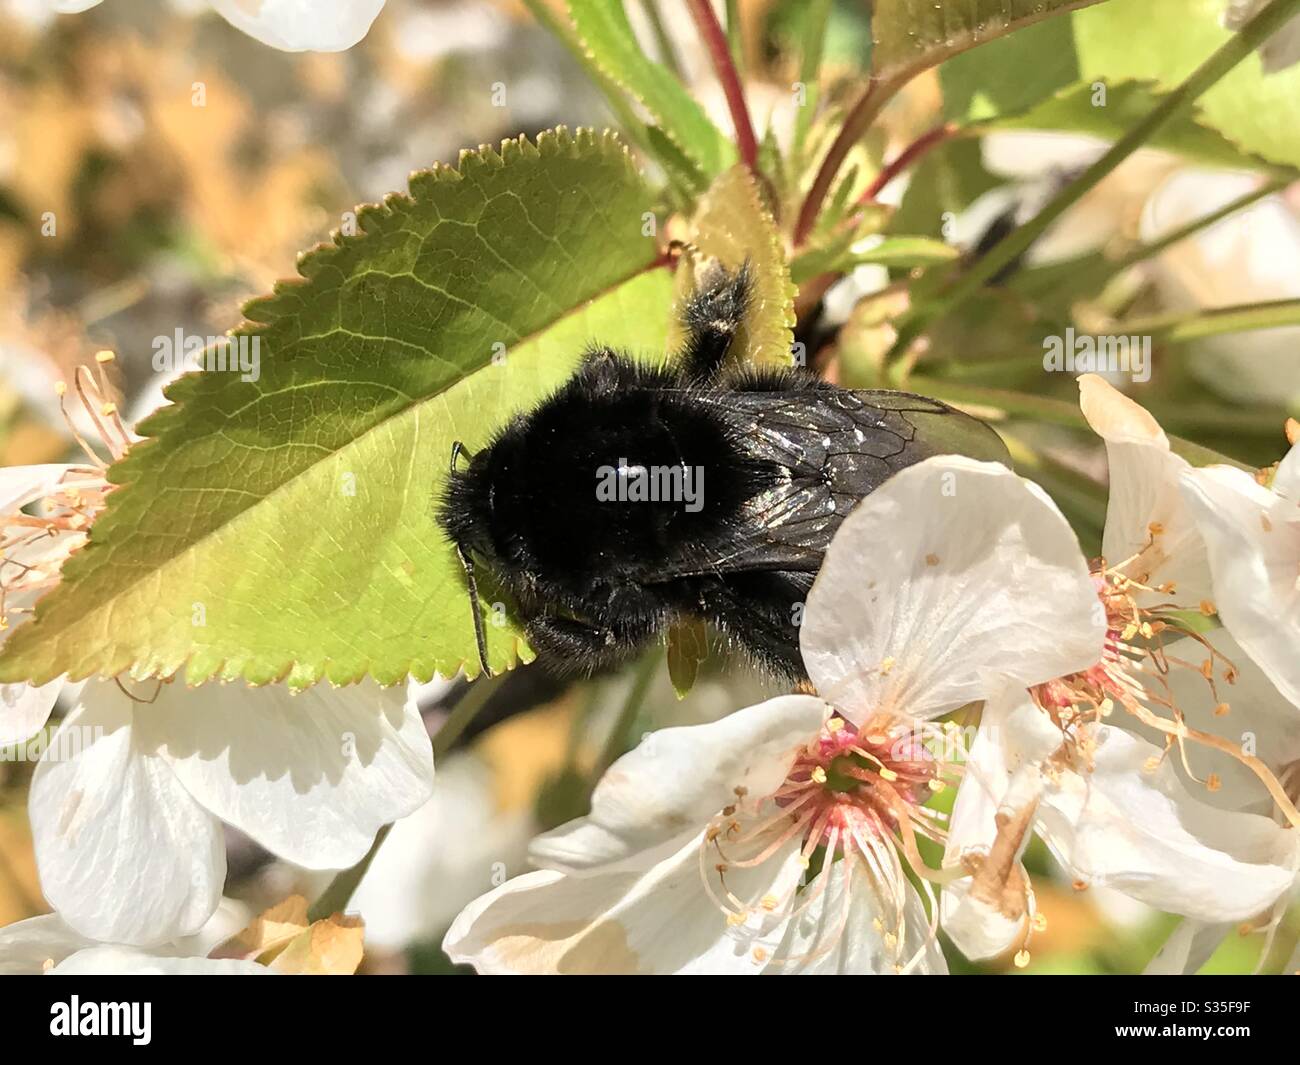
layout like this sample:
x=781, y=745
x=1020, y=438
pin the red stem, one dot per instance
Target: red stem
x=715, y=38
x=906, y=158
x=855, y=125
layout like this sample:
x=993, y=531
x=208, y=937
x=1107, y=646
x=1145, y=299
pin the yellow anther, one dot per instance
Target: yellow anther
x=108, y=409
x=1208, y=608
x=60, y=388
x=804, y=862
x=1151, y=764
x=1040, y=922
x=1213, y=782
x=1022, y=958
x=1130, y=630
x=936, y=786
x=737, y=919
x=891, y=941
x=104, y=356
x=1107, y=706
x=1207, y=669
x=1292, y=431
x=1221, y=709
x=1080, y=885
x=886, y=666
x=819, y=774
x=888, y=774
x=769, y=902
x=760, y=955
x=835, y=724
x=1155, y=528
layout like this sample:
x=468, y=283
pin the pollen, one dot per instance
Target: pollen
x=1213, y=782
x=850, y=812
x=887, y=666
x=760, y=955
x=1156, y=529
x=1022, y=958
x=1208, y=608
x=104, y=356
x=1222, y=710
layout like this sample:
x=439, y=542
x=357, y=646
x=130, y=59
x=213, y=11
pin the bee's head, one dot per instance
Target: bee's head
x=466, y=511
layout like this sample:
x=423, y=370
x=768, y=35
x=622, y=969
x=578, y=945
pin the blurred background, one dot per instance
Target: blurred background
x=158, y=167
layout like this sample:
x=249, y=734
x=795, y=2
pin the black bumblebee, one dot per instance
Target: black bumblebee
x=638, y=495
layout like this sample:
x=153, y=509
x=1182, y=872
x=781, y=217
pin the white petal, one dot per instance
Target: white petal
x=1253, y=538
x=996, y=808
x=1187, y=949
x=312, y=777
x=24, y=709
x=450, y=851
x=843, y=929
x=1142, y=833
x=122, y=961
x=655, y=920
x=28, y=947
x=1144, y=492
x=124, y=853
x=951, y=579
x=1286, y=482
x=1259, y=718
x=21, y=485
x=302, y=25
x=677, y=779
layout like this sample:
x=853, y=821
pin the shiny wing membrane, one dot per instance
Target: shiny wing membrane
x=831, y=448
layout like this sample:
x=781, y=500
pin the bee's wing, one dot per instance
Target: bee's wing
x=833, y=447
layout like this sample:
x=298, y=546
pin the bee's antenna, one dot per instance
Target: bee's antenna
x=458, y=449
x=479, y=638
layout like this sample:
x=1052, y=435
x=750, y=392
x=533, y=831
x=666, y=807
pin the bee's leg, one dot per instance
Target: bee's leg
x=571, y=645
x=605, y=372
x=712, y=315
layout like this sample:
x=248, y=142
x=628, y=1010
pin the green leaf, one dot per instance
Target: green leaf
x=605, y=31
x=1011, y=74
x=1138, y=39
x=901, y=252
x=731, y=225
x=688, y=646
x=1127, y=103
x=912, y=35
x=284, y=528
